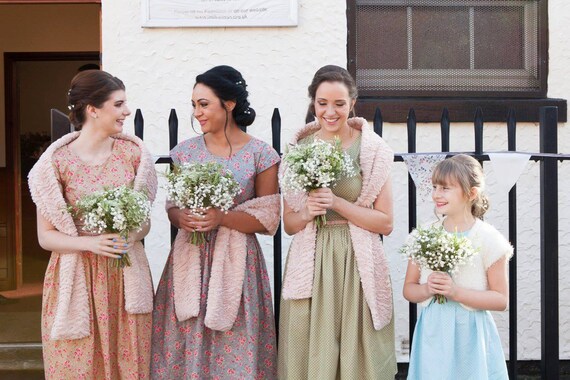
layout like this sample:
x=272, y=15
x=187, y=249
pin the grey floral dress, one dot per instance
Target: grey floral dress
x=190, y=350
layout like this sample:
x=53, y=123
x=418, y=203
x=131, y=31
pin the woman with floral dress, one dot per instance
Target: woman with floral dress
x=96, y=317
x=213, y=315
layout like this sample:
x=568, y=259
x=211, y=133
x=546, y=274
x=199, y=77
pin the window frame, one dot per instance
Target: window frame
x=461, y=103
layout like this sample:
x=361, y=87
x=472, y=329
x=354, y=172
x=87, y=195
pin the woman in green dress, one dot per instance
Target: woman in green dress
x=336, y=312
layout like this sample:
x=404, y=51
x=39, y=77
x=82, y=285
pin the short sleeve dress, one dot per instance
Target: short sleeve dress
x=453, y=341
x=188, y=349
x=119, y=344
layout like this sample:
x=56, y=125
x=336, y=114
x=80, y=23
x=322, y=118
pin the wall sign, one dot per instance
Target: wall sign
x=218, y=13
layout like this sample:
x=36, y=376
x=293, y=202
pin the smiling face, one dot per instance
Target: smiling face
x=332, y=107
x=449, y=199
x=111, y=116
x=208, y=109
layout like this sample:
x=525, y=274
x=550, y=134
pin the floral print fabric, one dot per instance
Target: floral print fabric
x=190, y=350
x=421, y=167
x=119, y=344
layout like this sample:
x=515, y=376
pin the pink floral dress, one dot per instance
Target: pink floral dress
x=190, y=350
x=119, y=344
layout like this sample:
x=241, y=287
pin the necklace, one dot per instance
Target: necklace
x=468, y=226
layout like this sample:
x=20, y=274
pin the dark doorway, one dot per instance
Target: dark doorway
x=34, y=84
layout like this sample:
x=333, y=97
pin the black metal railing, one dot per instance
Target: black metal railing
x=548, y=158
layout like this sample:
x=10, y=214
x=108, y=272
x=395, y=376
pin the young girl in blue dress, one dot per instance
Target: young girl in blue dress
x=458, y=339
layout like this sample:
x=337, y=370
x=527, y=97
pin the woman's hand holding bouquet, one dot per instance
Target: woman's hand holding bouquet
x=314, y=168
x=203, y=191
x=113, y=214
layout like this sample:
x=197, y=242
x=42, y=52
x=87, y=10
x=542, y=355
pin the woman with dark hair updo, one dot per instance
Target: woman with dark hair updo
x=213, y=316
x=336, y=317
x=96, y=316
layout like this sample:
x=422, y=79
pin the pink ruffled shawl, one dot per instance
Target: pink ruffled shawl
x=228, y=267
x=72, y=316
x=376, y=159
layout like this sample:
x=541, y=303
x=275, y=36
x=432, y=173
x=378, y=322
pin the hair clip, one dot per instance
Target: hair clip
x=239, y=82
x=71, y=107
x=69, y=92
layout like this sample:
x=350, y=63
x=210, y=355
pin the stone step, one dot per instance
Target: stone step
x=21, y=356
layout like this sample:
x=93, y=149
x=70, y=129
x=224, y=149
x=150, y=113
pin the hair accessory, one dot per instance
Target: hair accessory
x=239, y=82
x=71, y=107
x=247, y=111
x=69, y=92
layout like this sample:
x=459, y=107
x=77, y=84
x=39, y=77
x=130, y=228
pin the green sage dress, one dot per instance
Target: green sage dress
x=331, y=335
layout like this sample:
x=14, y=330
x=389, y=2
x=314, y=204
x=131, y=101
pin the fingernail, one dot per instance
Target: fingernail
x=124, y=252
x=114, y=239
x=125, y=245
x=115, y=247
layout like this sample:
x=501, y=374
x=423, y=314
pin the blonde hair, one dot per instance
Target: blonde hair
x=468, y=173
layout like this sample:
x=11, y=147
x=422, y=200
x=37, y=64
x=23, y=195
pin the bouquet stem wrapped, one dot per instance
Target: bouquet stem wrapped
x=198, y=186
x=313, y=166
x=118, y=210
x=438, y=250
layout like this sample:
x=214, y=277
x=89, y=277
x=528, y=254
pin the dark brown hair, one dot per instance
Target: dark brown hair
x=90, y=87
x=228, y=84
x=330, y=73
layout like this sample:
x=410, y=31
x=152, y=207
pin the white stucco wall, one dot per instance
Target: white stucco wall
x=159, y=67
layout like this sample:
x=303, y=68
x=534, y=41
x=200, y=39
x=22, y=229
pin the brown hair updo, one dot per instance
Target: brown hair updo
x=228, y=84
x=90, y=87
x=330, y=73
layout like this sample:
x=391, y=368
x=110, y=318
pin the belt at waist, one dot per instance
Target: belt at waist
x=336, y=222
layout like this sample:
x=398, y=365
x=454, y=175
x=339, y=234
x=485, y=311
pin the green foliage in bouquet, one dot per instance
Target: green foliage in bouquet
x=198, y=186
x=118, y=210
x=313, y=166
x=436, y=249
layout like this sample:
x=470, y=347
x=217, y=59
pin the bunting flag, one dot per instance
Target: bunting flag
x=420, y=167
x=508, y=167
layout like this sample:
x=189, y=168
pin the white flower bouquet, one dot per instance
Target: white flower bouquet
x=436, y=249
x=315, y=165
x=198, y=186
x=117, y=210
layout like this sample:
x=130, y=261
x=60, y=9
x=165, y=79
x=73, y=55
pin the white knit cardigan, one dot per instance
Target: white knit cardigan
x=491, y=246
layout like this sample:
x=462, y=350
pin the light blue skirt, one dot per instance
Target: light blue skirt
x=451, y=342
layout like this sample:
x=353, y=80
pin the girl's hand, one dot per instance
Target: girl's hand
x=318, y=202
x=206, y=220
x=442, y=283
x=109, y=245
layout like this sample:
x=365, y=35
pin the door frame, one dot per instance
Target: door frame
x=14, y=238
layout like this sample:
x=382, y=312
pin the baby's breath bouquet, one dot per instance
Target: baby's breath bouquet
x=436, y=249
x=117, y=210
x=313, y=166
x=198, y=186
